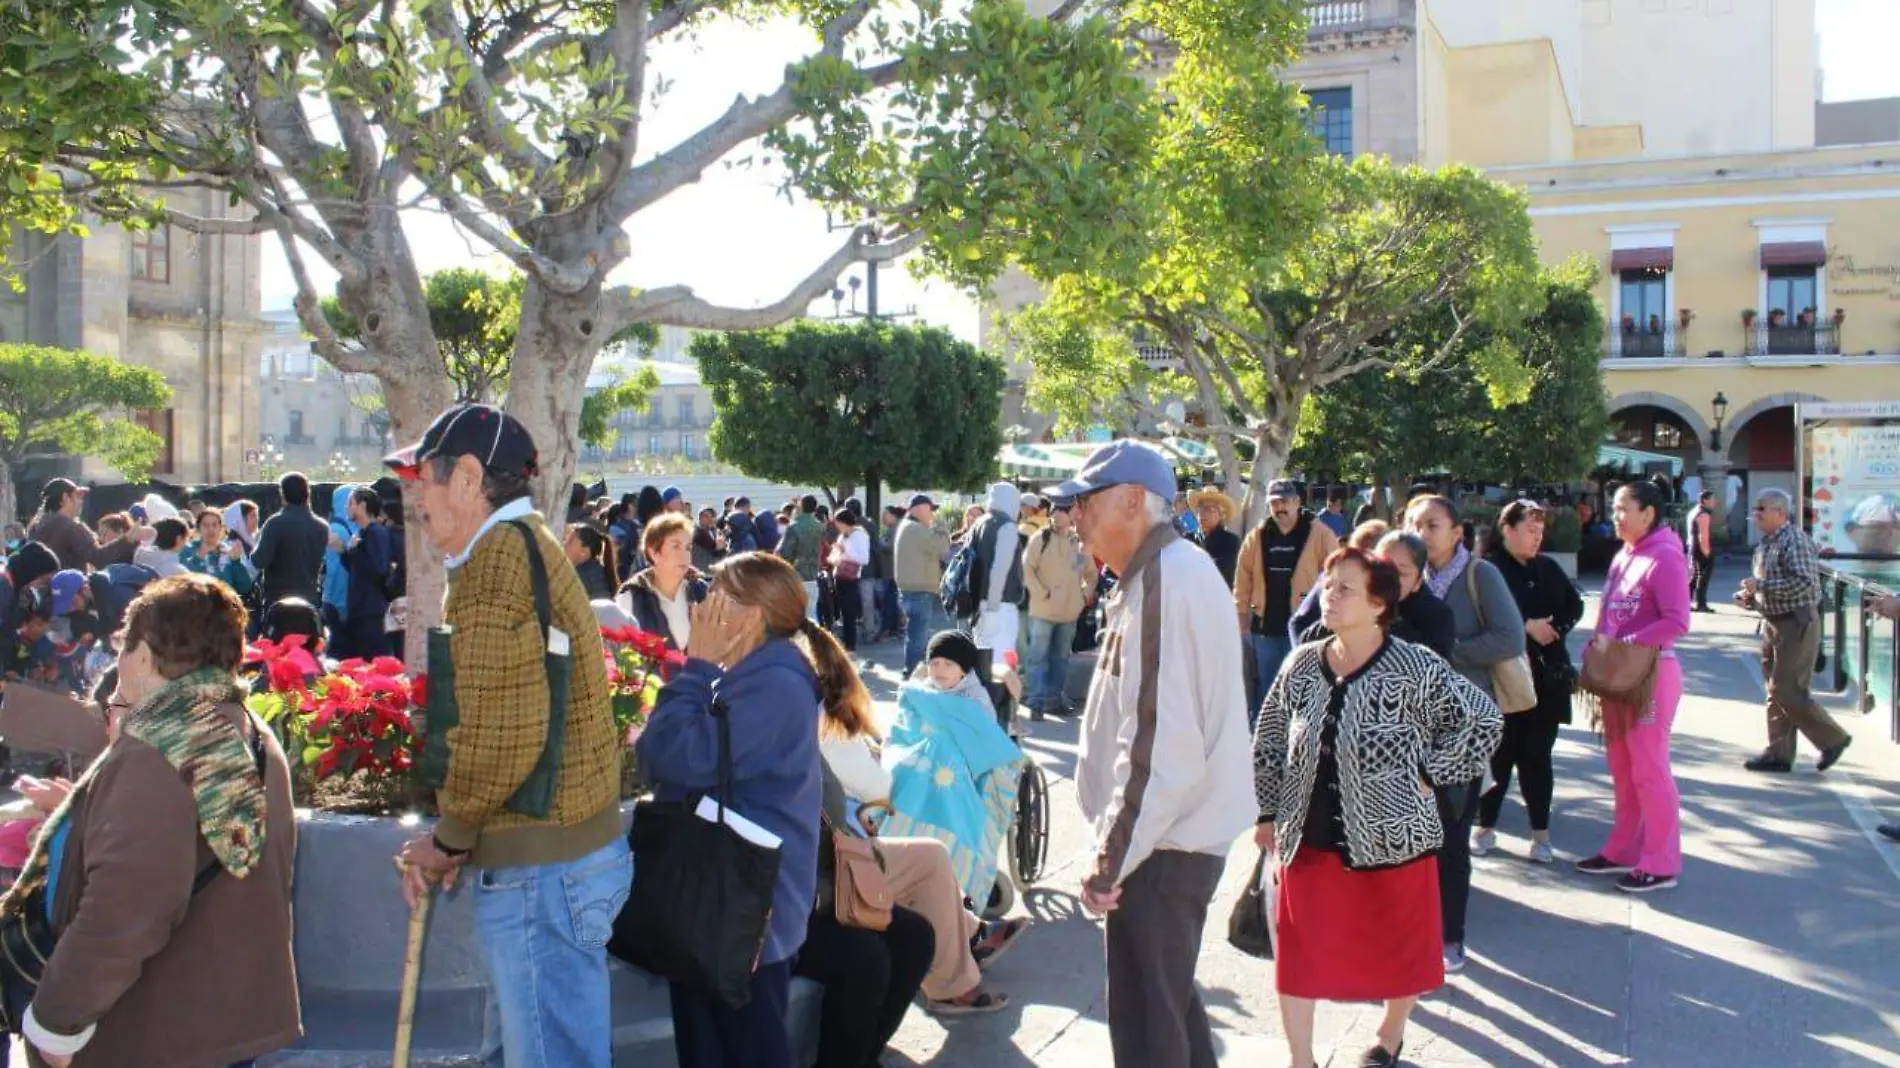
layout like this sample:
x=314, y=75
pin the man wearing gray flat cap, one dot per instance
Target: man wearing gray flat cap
x=1164, y=769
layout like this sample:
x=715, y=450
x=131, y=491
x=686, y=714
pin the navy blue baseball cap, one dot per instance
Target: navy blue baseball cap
x=483, y=431
x=922, y=499
x=1118, y=463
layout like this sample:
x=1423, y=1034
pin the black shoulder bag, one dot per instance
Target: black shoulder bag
x=699, y=908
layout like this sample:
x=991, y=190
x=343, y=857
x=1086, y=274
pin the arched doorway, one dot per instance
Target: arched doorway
x=1761, y=451
x=1662, y=430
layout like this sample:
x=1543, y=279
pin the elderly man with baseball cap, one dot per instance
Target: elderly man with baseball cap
x=1280, y=560
x=521, y=750
x=918, y=550
x=1164, y=772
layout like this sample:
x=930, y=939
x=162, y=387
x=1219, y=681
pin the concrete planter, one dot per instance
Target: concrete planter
x=1567, y=561
x=351, y=934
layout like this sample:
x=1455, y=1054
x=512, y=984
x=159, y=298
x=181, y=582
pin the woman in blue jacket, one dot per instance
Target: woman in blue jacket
x=754, y=654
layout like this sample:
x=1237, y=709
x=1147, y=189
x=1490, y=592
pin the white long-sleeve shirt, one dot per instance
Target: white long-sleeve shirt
x=1165, y=758
x=857, y=769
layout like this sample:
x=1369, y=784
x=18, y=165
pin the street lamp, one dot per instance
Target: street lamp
x=1720, y=407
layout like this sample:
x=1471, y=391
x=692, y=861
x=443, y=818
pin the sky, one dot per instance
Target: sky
x=736, y=240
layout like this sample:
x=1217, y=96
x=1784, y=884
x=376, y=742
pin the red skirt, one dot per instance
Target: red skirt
x=1357, y=935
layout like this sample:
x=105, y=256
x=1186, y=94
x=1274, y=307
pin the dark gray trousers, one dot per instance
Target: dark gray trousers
x=1155, y=1015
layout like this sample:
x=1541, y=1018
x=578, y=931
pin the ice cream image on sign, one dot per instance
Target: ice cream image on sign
x=1874, y=525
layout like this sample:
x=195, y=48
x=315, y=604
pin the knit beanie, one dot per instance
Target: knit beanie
x=956, y=647
x=29, y=563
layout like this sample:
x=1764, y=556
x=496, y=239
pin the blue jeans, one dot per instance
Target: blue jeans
x=890, y=616
x=1269, y=652
x=543, y=933
x=1050, y=645
x=920, y=620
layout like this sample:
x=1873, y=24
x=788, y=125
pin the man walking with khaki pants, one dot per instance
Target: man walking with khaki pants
x=1786, y=589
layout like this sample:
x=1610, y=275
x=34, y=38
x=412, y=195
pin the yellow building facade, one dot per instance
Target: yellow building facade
x=1748, y=234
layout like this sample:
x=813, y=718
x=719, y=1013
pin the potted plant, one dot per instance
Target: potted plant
x=1684, y=317
x=1563, y=538
x=1840, y=316
x=1748, y=318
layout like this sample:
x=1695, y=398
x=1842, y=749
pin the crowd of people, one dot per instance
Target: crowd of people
x=1378, y=686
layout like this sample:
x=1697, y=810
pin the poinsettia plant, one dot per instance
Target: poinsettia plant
x=638, y=664
x=353, y=717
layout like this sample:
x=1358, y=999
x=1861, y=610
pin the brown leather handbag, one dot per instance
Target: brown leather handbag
x=861, y=896
x=1618, y=681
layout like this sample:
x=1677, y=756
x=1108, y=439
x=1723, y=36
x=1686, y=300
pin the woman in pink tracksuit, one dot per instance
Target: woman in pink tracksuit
x=1645, y=601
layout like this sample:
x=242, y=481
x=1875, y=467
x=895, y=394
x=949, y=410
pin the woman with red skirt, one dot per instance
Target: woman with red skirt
x=1349, y=741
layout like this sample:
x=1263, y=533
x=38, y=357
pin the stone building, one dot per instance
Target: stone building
x=311, y=417
x=182, y=304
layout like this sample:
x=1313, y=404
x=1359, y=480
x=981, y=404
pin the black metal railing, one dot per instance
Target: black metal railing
x=1819, y=339
x=1861, y=647
x=1645, y=342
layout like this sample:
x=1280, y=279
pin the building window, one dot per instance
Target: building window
x=654, y=447
x=1329, y=119
x=1792, y=292
x=159, y=421
x=152, y=254
x=686, y=411
x=296, y=434
x=1666, y=435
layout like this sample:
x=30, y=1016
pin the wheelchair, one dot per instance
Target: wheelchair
x=1027, y=841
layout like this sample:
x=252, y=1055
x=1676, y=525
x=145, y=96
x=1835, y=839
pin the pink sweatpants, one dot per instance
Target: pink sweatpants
x=1648, y=829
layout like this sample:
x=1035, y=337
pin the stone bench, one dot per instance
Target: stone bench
x=351, y=934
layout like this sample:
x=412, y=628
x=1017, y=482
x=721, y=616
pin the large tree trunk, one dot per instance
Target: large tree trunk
x=1270, y=445
x=413, y=401
x=9, y=502
x=555, y=346
x=1229, y=463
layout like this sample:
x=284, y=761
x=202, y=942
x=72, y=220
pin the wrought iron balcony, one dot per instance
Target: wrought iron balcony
x=1662, y=341
x=1819, y=339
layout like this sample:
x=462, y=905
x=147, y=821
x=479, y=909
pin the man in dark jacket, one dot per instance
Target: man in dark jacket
x=368, y=557
x=290, y=547
x=58, y=528
x=29, y=566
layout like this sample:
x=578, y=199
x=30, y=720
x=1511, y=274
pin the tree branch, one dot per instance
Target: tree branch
x=679, y=306
x=674, y=15
x=746, y=119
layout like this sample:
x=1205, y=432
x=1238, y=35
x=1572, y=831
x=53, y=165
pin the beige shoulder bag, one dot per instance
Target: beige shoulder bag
x=1511, y=680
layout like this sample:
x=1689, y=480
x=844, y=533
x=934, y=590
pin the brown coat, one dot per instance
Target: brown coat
x=171, y=979
x=1250, y=577
x=76, y=546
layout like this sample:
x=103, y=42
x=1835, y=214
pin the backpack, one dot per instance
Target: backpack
x=959, y=597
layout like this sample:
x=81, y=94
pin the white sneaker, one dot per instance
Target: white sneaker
x=1541, y=853
x=1483, y=842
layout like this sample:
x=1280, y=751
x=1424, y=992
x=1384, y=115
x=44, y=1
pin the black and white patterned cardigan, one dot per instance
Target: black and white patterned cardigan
x=1408, y=717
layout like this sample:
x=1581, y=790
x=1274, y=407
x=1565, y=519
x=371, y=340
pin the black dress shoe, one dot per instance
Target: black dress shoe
x=1832, y=754
x=1377, y=1057
x=1767, y=763
x=1890, y=830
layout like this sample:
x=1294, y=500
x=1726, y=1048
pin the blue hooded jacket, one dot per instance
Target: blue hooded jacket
x=771, y=699
x=336, y=574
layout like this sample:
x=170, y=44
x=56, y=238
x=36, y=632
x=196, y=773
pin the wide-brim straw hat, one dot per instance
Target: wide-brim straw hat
x=1229, y=508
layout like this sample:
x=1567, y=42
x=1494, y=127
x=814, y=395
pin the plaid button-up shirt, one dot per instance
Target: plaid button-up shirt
x=1787, y=572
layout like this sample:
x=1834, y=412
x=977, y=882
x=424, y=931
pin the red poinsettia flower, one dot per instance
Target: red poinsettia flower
x=419, y=690
x=386, y=665
x=285, y=676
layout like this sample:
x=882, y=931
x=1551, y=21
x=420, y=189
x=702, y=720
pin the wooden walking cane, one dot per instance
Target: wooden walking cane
x=411, y=976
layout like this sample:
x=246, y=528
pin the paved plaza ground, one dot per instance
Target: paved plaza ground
x=1781, y=947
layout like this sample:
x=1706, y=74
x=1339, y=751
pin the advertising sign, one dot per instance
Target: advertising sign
x=1856, y=487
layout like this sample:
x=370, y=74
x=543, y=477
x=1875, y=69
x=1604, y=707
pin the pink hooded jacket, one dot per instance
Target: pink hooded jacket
x=1646, y=597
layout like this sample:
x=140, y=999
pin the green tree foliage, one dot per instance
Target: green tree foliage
x=56, y=401
x=1388, y=428
x=864, y=404
x=474, y=316
x=1268, y=268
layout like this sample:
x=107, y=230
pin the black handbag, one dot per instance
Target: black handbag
x=1249, y=928
x=702, y=896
